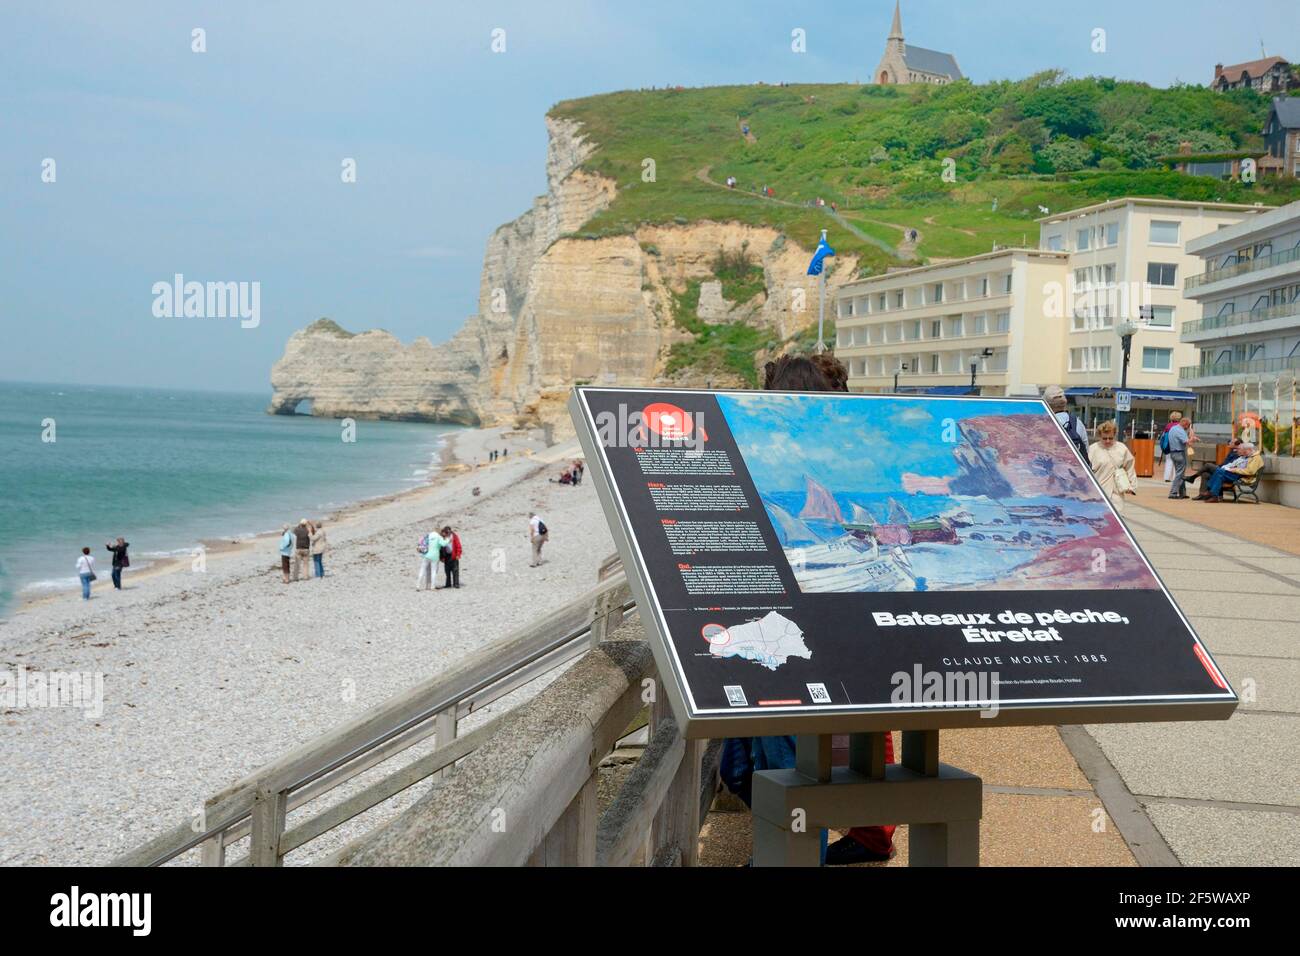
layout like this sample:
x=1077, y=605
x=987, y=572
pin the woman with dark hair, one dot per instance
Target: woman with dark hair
x=797, y=373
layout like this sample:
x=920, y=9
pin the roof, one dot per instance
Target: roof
x=1145, y=201
x=1288, y=110
x=931, y=61
x=1008, y=252
x=1271, y=221
x=1253, y=68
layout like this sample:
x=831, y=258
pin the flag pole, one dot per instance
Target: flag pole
x=821, y=305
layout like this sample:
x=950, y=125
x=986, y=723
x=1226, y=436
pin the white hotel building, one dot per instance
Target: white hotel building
x=1029, y=318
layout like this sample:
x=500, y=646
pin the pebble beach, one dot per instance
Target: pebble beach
x=209, y=674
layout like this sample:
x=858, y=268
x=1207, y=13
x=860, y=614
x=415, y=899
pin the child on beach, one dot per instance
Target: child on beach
x=85, y=571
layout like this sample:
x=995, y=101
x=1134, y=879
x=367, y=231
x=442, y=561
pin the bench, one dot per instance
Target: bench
x=1246, y=488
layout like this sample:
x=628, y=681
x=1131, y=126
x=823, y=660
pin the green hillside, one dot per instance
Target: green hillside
x=879, y=154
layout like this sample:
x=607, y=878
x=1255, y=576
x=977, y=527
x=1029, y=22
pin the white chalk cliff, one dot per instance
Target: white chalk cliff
x=555, y=309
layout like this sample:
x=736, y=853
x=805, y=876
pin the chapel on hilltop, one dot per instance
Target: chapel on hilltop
x=903, y=63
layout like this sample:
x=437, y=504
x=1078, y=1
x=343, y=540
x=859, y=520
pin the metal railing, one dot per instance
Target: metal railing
x=1210, y=323
x=1242, y=267
x=257, y=805
x=1253, y=367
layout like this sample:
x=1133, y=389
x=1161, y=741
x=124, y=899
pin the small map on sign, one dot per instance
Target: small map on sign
x=770, y=641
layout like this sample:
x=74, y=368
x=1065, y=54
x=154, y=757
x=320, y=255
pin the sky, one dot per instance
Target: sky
x=851, y=444
x=225, y=165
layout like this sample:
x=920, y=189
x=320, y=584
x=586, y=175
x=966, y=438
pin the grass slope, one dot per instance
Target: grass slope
x=879, y=153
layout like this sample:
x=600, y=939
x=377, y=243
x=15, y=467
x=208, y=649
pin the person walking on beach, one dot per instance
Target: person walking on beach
x=318, y=548
x=85, y=571
x=302, y=549
x=120, y=560
x=1113, y=465
x=430, y=548
x=286, y=552
x=451, y=557
x=538, y=534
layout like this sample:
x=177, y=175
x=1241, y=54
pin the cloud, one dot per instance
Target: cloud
x=433, y=252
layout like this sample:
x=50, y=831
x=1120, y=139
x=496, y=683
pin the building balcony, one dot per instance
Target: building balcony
x=1241, y=268
x=1223, y=373
x=1238, y=323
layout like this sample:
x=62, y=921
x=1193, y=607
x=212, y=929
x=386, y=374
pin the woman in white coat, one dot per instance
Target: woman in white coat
x=1113, y=465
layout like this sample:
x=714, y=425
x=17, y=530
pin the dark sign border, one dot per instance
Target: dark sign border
x=824, y=719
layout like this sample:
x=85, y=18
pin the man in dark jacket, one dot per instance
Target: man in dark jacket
x=302, y=550
x=120, y=560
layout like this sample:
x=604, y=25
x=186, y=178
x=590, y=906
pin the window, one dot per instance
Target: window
x=1081, y=278
x=1162, y=317
x=981, y=324
x=936, y=329
x=1106, y=274
x=1112, y=234
x=1002, y=322
x=1081, y=242
x=883, y=300
x=1091, y=359
x=934, y=363
x=846, y=308
x=898, y=299
x=1055, y=243
x=984, y=286
x=1162, y=273
x=912, y=330
x=938, y=292
x=1164, y=233
x=955, y=326
x=1157, y=360
x=1006, y=283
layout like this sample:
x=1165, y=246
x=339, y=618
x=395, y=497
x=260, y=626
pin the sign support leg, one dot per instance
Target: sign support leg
x=942, y=805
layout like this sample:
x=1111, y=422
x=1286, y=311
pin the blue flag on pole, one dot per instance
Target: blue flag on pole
x=823, y=250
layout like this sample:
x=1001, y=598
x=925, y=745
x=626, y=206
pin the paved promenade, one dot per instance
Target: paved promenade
x=1194, y=793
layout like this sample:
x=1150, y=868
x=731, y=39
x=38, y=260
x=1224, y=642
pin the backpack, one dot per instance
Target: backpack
x=1164, y=441
x=423, y=545
x=541, y=527
x=1072, y=433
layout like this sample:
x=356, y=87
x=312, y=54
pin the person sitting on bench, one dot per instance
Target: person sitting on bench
x=1206, y=468
x=1234, y=472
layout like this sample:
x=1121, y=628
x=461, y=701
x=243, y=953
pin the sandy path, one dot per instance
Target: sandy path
x=207, y=676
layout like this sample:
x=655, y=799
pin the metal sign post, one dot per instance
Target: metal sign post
x=941, y=805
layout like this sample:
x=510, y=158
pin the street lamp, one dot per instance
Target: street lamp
x=901, y=368
x=974, y=364
x=1126, y=330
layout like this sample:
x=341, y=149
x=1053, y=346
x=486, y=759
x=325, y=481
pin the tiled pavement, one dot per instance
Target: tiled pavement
x=1192, y=793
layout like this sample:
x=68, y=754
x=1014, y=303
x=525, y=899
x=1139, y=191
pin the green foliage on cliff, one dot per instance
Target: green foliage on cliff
x=722, y=349
x=879, y=152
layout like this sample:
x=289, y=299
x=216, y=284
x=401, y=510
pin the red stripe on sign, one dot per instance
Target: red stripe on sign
x=778, y=703
x=1209, y=668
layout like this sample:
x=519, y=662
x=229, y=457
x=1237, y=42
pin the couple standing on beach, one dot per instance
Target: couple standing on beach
x=297, y=544
x=444, y=546
x=86, y=566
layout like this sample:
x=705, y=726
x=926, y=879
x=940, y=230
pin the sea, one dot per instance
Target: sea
x=168, y=469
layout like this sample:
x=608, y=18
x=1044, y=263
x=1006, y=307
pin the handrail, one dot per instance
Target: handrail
x=1242, y=267
x=430, y=708
x=1250, y=367
x=1280, y=311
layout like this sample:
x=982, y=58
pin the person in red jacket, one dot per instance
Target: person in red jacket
x=451, y=562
